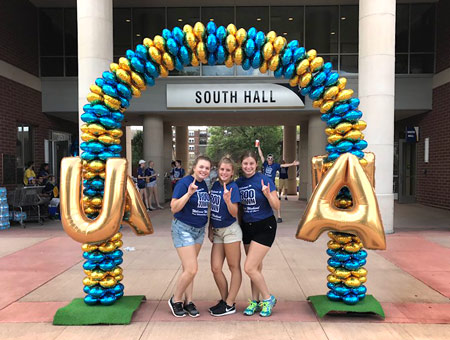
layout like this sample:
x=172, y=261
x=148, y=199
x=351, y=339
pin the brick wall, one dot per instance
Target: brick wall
x=19, y=34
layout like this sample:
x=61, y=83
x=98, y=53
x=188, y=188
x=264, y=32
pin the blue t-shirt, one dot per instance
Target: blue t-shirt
x=220, y=216
x=195, y=211
x=284, y=173
x=141, y=181
x=150, y=172
x=178, y=173
x=271, y=170
x=255, y=204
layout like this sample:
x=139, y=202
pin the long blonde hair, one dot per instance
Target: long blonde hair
x=227, y=160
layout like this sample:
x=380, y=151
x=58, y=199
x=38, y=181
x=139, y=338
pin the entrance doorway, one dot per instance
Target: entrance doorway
x=56, y=149
x=407, y=158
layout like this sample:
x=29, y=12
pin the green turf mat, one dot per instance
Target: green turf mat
x=322, y=305
x=78, y=313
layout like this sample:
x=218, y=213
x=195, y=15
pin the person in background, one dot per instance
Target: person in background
x=141, y=181
x=283, y=181
x=43, y=173
x=152, y=188
x=270, y=168
x=29, y=176
x=177, y=173
x=190, y=203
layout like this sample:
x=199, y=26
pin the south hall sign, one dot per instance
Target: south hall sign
x=231, y=96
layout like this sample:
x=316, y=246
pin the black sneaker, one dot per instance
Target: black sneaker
x=279, y=220
x=191, y=310
x=224, y=309
x=210, y=309
x=177, y=308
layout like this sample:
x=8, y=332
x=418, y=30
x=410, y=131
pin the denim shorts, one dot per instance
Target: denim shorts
x=184, y=235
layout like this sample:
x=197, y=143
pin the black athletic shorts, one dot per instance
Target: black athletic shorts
x=262, y=232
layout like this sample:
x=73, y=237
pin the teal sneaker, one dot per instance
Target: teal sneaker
x=267, y=305
x=252, y=308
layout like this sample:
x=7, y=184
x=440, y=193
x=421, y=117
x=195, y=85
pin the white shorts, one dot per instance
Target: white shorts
x=230, y=234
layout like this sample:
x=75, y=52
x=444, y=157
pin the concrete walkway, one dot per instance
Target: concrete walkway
x=41, y=271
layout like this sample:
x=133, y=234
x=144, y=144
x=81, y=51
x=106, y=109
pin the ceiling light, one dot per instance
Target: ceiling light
x=138, y=34
x=284, y=33
x=211, y=19
x=290, y=19
x=343, y=18
x=127, y=20
x=180, y=20
x=333, y=33
x=258, y=19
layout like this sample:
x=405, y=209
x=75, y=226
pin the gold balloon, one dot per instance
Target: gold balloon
x=343, y=128
x=188, y=29
x=316, y=64
x=274, y=62
x=359, y=273
x=87, y=281
x=326, y=106
x=343, y=239
x=356, y=238
x=91, y=210
x=96, y=129
x=116, y=133
x=84, y=128
x=264, y=67
x=352, y=247
x=96, y=89
x=238, y=56
x=87, y=272
x=333, y=245
x=194, y=60
x=241, y=35
x=360, y=125
x=342, y=273
x=294, y=81
x=168, y=61
x=163, y=72
x=97, y=275
x=317, y=103
x=88, y=247
x=305, y=79
x=267, y=50
x=231, y=43
x=118, y=243
x=311, y=54
x=138, y=80
x=135, y=91
x=96, y=165
x=116, y=271
x=354, y=135
x=124, y=76
x=117, y=236
x=160, y=43
x=231, y=29
x=148, y=42
x=331, y=269
x=105, y=139
x=330, y=93
x=278, y=44
x=333, y=279
x=113, y=67
x=111, y=103
x=191, y=40
x=201, y=52
x=124, y=64
x=108, y=282
x=352, y=282
x=302, y=67
x=119, y=278
x=330, y=131
x=271, y=36
x=138, y=220
x=94, y=98
x=229, y=61
x=333, y=139
x=88, y=137
x=97, y=201
x=199, y=30
x=363, y=219
x=362, y=279
x=344, y=95
x=341, y=83
x=107, y=247
x=343, y=203
x=155, y=54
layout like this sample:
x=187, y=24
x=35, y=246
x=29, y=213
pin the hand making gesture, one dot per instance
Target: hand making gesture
x=265, y=188
x=227, y=194
x=192, y=188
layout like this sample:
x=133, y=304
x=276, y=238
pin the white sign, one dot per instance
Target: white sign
x=231, y=96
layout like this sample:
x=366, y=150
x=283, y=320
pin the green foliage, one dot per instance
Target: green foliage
x=234, y=140
x=137, y=147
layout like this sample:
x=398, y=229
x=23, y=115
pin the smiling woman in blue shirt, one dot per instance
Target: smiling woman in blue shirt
x=190, y=202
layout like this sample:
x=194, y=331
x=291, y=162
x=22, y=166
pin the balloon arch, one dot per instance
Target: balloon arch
x=110, y=198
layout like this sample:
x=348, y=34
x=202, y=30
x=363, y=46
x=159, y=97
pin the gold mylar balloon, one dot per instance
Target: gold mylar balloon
x=168, y=61
x=330, y=131
x=124, y=64
x=342, y=273
x=199, y=30
x=191, y=40
x=331, y=269
x=311, y=54
x=326, y=106
x=264, y=67
x=352, y=282
x=138, y=80
x=360, y=125
x=333, y=279
x=97, y=201
x=316, y=64
x=91, y=210
x=94, y=98
x=119, y=278
x=96, y=129
x=188, y=29
x=359, y=273
x=107, y=247
x=105, y=139
x=201, y=52
x=98, y=275
x=362, y=279
x=118, y=243
x=116, y=237
x=343, y=203
x=241, y=35
x=163, y=72
x=238, y=56
x=274, y=62
x=88, y=247
x=343, y=128
x=354, y=135
x=352, y=247
x=278, y=44
x=160, y=43
x=87, y=281
x=88, y=137
x=231, y=29
x=302, y=67
x=343, y=239
x=108, y=282
x=267, y=50
x=84, y=128
x=231, y=43
x=116, y=133
x=356, y=239
x=229, y=61
x=330, y=93
x=317, y=103
x=96, y=89
x=124, y=76
x=155, y=54
x=305, y=79
x=148, y=42
x=135, y=91
x=294, y=81
x=87, y=272
x=96, y=165
x=116, y=271
x=271, y=36
x=194, y=60
x=344, y=95
x=111, y=103
x=113, y=67
x=333, y=139
x=333, y=245
x=341, y=83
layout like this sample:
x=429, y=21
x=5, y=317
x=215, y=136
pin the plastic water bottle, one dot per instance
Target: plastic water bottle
x=4, y=210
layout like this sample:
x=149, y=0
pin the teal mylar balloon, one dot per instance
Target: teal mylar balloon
x=90, y=192
x=107, y=122
x=184, y=55
x=342, y=256
x=327, y=67
x=357, y=153
x=333, y=296
x=256, y=60
x=100, y=110
x=116, y=254
x=319, y=79
x=359, y=290
x=324, y=117
x=361, y=296
x=287, y=57
x=117, y=116
x=330, y=148
x=260, y=39
x=89, y=117
x=118, y=288
x=250, y=47
x=351, y=264
x=221, y=34
x=350, y=299
x=88, y=265
x=172, y=46
x=289, y=71
x=246, y=64
x=116, y=148
x=166, y=34
x=306, y=90
x=109, y=76
x=211, y=27
x=124, y=103
x=278, y=72
x=360, y=255
x=124, y=91
x=88, y=156
x=354, y=103
x=352, y=115
x=151, y=69
x=178, y=34
x=212, y=60
x=90, y=300
x=107, y=265
x=105, y=155
x=299, y=54
x=333, y=156
x=340, y=109
x=332, y=79
x=360, y=144
x=130, y=54
x=110, y=90
x=362, y=262
x=149, y=80
x=141, y=52
x=100, y=82
x=96, y=291
x=251, y=33
x=221, y=54
x=86, y=289
x=293, y=44
x=119, y=295
x=97, y=184
x=96, y=256
x=334, y=263
x=93, y=147
x=211, y=43
x=118, y=261
x=178, y=64
x=341, y=290
x=316, y=93
x=108, y=299
x=344, y=146
x=330, y=252
x=137, y=64
x=334, y=120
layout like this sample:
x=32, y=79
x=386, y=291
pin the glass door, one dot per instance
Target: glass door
x=407, y=172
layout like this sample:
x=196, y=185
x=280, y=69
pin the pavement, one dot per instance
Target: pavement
x=41, y=271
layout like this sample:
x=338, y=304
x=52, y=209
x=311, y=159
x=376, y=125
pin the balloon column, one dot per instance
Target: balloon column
x=106, y=193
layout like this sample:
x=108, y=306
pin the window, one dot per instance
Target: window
x=24, y=150
x=322, y=29
x=222, y=16
x=191, y=140
x=148, y=22
x=257, y=17
x=122, y=30
x=191, y=133
x=288, y=21
x=191, y=147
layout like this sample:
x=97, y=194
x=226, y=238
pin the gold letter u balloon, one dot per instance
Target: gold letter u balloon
x=119, y=193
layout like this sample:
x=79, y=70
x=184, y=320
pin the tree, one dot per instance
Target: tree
x=137, y=147
x=234, y=140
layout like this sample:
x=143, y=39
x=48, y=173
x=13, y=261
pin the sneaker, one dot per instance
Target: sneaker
x=279, y=220
x=267, y=305
x=224, y=309
x=285, y=199
x=252, y=308
x=177, y=308
x=221, y=302
x=191, y=309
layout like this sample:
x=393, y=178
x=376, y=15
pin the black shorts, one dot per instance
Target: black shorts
x=262, y=232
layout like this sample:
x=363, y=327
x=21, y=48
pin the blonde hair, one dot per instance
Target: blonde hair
x=226, y=160
x=199, y=158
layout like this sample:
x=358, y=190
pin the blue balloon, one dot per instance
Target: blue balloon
x=351, y=265
x=109, y=76
x=341, y=109
x=100, y=110
x=90, y=300
x=90, y=192
x=100, y=82
x=118, y=261
x=178, y=34
x=250, y=47
x=88, y=156
x=360, y=255
x=319, y=79
x=354, y=103
x=86, y=289
x=251, y=33
x=256, y=60
x=116, y=254
x=341, y=290
x=88, y=108
x=327, y=67
x=212, y=59
x=246, y=64
x=108, y=122
x=141, y=52
x=359, y=290
x=211, y=43
x=333, y=296
x=96, y=257
x=178, y=64
x=289, y=71
x=108, y=299
x=124, y=91
x=333, y=156
x=330, y=285
x=334, y=120
x=260, y=39
x=278, y=72
x=316, y=93
x=106, y=155
x=221, y=54
x=333, y=262
x=86, y=255
x=361, y=296
x=211, y=27
x=166, y=34
x=221, y=33
x=172, y=46
x=332, y=79
x=362, y=262
x=88, y=265
x=305, y=91
x=97, y=184
x=130, y=54
x=342, y=256
x=110, y=91
x=107, y=265
x=97, y=291
x=115, y=148
x=286, y=57
x=149, y=80
x=360, y=144
x=293, y=44
x=299, y=54
x=353, y=115
x=350, y=299
x=331, y=252
x=124, y=102
x=357, y=153
x=325, y=117
x=93, y=147
x=330, y=148
x=184, y=55
x=118, y=288
x=137, y=65
x=344, y=146
x=89, y=117
x=151, y=69
x=118, y=295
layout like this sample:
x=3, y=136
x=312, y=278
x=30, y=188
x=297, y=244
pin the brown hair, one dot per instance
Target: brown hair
x=199, y=158
x=251, y=154
x=226, y=160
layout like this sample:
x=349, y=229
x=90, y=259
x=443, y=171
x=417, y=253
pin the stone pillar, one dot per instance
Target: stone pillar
x=154, y=148
x=95, y=44
x=181, y=146
x=376, y=89
x=289, y=155
x=304, y=161
x=168, y=152
x=316, y=145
